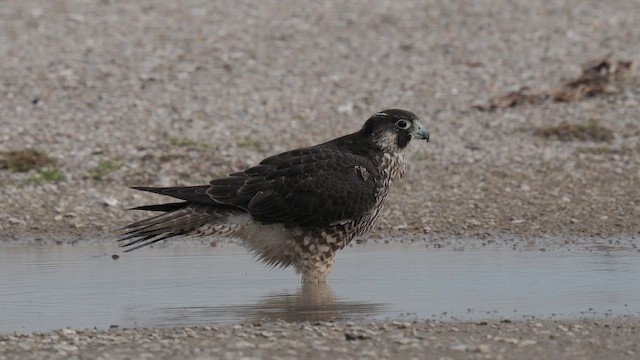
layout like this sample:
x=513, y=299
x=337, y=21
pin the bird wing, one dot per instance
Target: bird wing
x=311, y=187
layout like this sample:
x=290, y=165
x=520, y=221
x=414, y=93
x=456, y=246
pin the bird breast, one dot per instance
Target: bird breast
x=393, y=166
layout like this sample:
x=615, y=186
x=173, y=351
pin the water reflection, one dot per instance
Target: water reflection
x=51, y=287
x=311, y=302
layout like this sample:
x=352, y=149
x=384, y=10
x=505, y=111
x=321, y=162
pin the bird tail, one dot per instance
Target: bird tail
x=181, y=218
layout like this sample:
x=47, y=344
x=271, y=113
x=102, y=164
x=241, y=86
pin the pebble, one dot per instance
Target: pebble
x=459, y=347
x=243, y=345
x=16, y=221
x=517, y=339
x=68, y=332
x=110, y=201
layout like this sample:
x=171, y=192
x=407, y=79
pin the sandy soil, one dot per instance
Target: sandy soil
x=122, y=93
x=579, y=339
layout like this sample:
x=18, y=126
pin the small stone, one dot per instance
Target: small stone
x=526, y=342
x=320, y=347
x=345, y=108
x=16, y=221
x=404, y=325
x=110, y=201
x=242, y=344
x=68, y=332
x=459, y=347
x=65, y=348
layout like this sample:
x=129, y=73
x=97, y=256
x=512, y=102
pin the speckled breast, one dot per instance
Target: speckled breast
x=392, y=169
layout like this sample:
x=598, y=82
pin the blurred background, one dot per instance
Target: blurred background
x=96, y=96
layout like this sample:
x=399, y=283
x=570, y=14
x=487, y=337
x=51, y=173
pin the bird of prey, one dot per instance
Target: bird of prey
x=297, y=208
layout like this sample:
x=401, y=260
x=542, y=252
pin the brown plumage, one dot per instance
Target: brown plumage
x=296, y=208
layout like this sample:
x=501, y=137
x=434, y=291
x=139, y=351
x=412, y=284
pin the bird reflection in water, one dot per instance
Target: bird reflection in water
x=311, y=302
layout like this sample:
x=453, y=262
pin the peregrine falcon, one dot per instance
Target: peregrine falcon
x=297, y=208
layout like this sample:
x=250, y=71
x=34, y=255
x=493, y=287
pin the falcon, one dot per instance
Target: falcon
x=297, y=208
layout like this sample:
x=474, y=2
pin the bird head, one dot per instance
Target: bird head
x=393, y=129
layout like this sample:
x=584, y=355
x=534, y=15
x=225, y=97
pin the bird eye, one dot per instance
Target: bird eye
x=403, y=124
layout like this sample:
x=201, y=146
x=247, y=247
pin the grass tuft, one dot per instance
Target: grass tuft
x=104, y=168
x=248, y=143
x=591, y=131
x=24, y=160
x=47, y=176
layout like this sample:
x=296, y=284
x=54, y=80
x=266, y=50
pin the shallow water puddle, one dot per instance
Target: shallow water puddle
x=49, y=287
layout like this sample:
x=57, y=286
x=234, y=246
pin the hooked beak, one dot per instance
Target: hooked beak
x=420, y=131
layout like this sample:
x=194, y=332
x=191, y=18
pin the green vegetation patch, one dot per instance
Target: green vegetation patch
x=591, y=131
x=104, y=168
x=47, y=176
x=249, y=143
x=24, y=160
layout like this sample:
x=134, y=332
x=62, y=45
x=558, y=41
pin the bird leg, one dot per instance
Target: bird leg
x=316, y=269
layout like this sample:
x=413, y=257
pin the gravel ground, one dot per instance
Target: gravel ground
x=158, y=92
x=532, y=339
x=161, y=93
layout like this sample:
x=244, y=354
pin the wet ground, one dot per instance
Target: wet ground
x=50, y=287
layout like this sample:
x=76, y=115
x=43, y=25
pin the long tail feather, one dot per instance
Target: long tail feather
x=180, y=219
x=162, y=207
x=192, y=194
